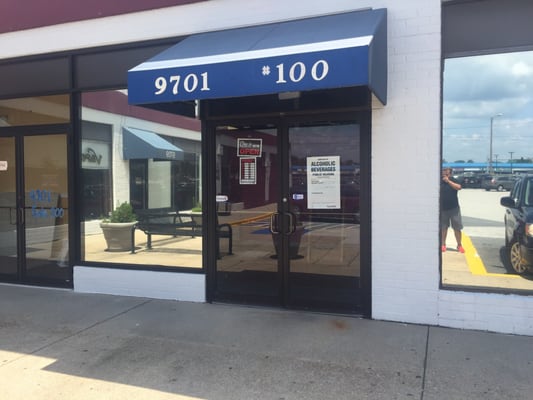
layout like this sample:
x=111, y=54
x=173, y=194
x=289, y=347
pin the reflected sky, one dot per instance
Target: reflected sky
x=478, y=88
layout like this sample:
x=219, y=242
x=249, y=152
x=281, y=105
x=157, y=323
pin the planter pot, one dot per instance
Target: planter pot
x=118, y=236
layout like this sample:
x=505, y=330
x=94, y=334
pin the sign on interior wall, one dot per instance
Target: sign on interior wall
x=248, y=171
x=323, y=182
x=3, y=165
x=248, y=150
x=249, y=147
x=94, y=154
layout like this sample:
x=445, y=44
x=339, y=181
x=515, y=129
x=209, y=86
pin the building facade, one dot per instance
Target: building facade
x=318, y=190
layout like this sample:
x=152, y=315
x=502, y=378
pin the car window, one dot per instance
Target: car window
x=515, y=191
x=528, y=198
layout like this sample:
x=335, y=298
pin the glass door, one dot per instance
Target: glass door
x=34, y=209
x=324, y=188
x=8, y=208
x=290, y=193
x=248, y=192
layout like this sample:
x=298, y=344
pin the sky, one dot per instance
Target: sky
x=478, y=88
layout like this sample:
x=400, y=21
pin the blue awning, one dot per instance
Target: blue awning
x=141, y=144
x=340, y=50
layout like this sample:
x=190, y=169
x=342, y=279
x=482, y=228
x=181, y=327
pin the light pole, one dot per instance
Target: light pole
x=490, y=148
x=511, y=160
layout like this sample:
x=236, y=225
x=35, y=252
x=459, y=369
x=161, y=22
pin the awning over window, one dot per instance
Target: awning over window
x=141, y=144
x=332, y=51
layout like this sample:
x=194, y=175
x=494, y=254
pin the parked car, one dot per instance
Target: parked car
x=469, y=180
x=499, y=183
x=518, y=221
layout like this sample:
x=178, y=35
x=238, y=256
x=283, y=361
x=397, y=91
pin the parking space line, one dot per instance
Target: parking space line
x=474, y=261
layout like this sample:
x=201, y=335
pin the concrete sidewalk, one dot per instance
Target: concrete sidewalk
x=57, y=344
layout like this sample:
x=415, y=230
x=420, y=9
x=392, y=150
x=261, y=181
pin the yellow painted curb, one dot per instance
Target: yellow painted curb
x=252, y=219
x=475, y=264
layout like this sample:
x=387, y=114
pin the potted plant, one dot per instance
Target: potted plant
x=118, y=228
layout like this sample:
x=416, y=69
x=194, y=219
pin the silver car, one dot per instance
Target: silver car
x=499, y=183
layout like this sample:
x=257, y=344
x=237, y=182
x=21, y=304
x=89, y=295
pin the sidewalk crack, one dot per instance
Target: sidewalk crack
x=425, y=366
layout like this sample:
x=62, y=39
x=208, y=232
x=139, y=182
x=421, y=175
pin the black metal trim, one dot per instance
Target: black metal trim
x=209, y=207
x=72, y=58
x=140, y=267
x=18, y=133
x=362, y=115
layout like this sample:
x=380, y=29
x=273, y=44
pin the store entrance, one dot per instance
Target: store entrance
x=290, y=191
x=34, y=209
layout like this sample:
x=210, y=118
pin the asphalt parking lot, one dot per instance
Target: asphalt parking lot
x=485, y=263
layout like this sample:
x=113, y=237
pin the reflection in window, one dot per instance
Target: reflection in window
x=150, y=160
x=35, y=110
x=487, y=132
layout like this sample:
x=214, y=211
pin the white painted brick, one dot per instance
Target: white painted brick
x=474, y=324
x=151, y=284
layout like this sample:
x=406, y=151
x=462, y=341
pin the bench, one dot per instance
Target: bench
x=174, y=223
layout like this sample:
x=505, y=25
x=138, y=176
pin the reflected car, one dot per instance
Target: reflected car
x=518, y=221
x=469, y=179
x=500, y=183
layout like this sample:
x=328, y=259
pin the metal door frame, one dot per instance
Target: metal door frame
x=363, y=118
x=19, y=133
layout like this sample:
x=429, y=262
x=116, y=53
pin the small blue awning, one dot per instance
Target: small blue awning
x=141, y=144
x=332, y=51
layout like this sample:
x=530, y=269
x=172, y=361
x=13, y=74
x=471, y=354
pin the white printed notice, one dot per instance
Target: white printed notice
x=248, y=172
x=323, y=182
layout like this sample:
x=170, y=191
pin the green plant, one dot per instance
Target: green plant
x=123, y=213
x=197, y=207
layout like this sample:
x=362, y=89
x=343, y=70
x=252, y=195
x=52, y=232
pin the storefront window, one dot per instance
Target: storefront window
x=44, y=110
x=487, y=140
x=146, y=160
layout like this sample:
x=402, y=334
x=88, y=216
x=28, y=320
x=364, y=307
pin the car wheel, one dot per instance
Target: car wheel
x=500, y=188
x=516, y=259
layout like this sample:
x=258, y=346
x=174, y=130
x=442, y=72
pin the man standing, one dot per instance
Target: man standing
x=450, y=213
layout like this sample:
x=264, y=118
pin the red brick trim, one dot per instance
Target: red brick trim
x=18, y=15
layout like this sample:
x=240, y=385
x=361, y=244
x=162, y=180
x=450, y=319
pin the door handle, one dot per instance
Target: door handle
x=21, y=210
x=292, y=223
x=13, y=213
x=274, y=223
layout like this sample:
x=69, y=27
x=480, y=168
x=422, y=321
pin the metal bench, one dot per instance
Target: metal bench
x=171, y=222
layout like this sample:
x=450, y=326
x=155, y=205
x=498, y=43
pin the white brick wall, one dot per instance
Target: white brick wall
x=405, y=190
x=151, y=284
x=405, y=159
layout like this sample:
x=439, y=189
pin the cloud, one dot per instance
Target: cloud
x=521, y=69
x=477, y=88
x=489, y=77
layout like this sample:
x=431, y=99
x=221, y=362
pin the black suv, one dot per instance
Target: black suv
x=519, y=224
